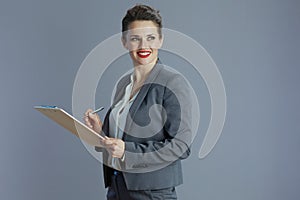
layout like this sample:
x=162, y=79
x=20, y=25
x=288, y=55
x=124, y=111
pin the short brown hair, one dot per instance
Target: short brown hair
x=142, y=12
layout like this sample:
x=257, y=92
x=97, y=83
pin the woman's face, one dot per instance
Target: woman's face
x=143, y=42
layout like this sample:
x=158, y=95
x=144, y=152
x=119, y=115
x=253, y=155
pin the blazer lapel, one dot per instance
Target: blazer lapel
x=142, y=93
x=121, y=92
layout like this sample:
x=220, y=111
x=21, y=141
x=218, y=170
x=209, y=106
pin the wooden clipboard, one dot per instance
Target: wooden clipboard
x=70, y=123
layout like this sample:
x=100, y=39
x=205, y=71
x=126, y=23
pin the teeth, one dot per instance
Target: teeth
x=144, y=53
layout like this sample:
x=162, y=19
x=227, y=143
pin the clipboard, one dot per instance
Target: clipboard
x=70, y=123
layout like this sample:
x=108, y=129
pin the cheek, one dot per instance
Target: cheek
x=156, y=45
x=132, y=47
x=155, y=52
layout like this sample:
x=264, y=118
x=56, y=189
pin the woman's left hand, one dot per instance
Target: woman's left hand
x=116, y=147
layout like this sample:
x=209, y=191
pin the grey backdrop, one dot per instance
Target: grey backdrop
x=255, y=44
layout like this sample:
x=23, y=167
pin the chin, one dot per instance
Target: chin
x=145, y=61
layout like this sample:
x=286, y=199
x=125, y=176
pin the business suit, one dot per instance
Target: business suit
x=153, y=163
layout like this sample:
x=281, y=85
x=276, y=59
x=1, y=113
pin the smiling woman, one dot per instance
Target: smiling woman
x=147, y=131
x=143, y=41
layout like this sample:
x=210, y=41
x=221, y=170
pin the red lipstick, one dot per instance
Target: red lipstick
x=143, y=53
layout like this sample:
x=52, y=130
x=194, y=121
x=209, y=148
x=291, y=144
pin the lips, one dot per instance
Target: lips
x=143, y=53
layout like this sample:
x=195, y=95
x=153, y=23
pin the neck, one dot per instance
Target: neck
x=141, y=72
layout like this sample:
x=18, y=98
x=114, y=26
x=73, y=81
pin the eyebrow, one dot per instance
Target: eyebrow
x=152, y=34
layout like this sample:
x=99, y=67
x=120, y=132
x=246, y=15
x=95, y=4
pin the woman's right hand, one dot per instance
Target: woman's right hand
x=92, y=120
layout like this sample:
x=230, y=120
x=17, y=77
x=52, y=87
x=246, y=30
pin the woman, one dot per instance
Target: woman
x=147, y=129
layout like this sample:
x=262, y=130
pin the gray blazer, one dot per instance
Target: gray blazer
x=153, y=157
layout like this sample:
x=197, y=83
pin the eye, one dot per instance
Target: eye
x=134, y=39
x=149, y=38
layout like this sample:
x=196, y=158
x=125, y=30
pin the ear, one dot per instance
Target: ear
x=123, y=39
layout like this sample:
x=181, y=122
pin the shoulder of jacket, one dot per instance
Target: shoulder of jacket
x=170, y=75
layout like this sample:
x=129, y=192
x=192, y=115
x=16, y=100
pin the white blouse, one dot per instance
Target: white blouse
x=118, y=116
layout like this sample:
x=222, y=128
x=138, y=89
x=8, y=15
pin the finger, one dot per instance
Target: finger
x=87, y=112
x=94, y=117
x=113, y=149
x=115, y=155
x=112, y=146
x=86, y=119
x=108, y=142
x=109, y=139
x=90, y=126
x=102, y=142
x=87, y=122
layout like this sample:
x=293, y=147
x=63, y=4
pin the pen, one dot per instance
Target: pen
x=98, y=110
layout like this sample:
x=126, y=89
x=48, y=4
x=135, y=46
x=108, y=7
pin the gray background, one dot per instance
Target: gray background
x=255, y=45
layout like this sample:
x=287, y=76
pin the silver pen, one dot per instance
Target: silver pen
x=97, y=110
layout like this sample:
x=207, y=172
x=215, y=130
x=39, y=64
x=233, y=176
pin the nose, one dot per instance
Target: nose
x=143, y=43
